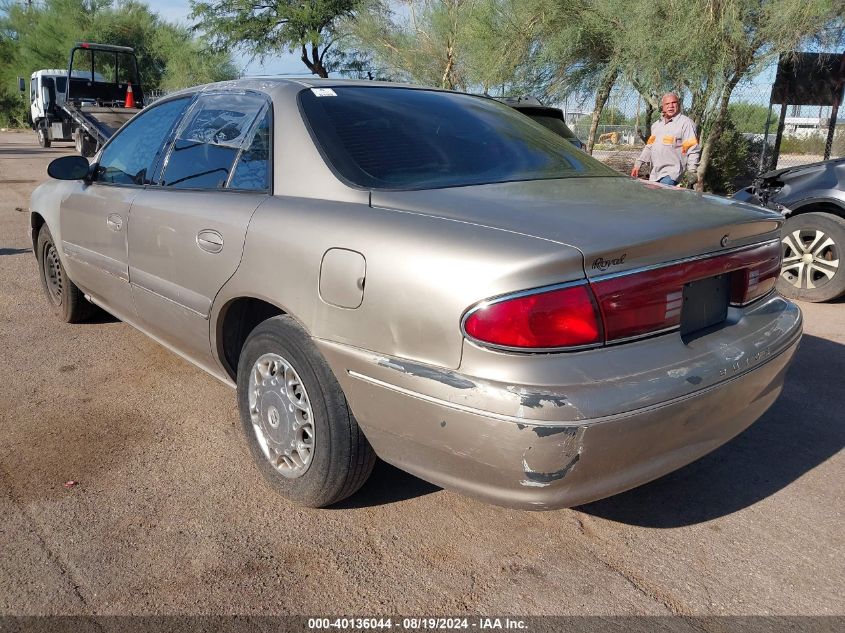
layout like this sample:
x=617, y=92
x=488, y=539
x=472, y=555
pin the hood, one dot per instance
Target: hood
x=779, y=173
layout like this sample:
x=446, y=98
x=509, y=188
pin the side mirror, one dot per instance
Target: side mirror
x=21, y=84
x=69, y=168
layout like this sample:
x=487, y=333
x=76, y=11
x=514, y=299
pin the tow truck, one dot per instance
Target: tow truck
x=100, y=91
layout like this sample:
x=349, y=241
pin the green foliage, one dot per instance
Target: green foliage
x=36, y=36
x=734, y=162
x=751, y=118
x=611, y=115
x=265, y=29
x=478, y=45
x=814, y=145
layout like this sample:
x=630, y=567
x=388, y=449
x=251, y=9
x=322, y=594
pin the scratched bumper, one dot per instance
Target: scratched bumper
x=597, y=428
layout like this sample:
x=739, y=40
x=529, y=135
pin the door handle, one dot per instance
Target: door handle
x=114, y=222
x=210, y=241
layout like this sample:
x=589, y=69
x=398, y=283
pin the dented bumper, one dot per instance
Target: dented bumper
x=557, y=430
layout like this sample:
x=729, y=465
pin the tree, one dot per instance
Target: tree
x=421, y=43
x=35, y=36
x=750, y=118
x=740, y=37
x=263, y=28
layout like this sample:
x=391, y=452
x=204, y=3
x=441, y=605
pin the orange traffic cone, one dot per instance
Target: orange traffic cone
x=130, y=98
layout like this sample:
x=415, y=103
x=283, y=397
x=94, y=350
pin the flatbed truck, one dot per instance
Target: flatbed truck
x=87, y=103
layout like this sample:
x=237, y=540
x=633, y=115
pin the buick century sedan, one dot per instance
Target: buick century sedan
x=424, y=276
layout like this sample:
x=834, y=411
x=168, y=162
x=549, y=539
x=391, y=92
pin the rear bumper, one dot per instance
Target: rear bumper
x=453, y=429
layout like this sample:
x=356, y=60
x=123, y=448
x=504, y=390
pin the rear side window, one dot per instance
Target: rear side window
x=131, y=155
x=209, y=140
x=252, y=171
x=403, y=138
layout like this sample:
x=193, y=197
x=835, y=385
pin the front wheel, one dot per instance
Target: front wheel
x=64, y=297
x=812, y=257
x=297, y=423
x=43, y=135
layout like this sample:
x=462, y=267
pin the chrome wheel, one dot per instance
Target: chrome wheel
x=810, y=258
x=53, y=275
x=281, y=415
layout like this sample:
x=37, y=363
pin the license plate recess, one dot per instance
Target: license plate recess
x=705, y=304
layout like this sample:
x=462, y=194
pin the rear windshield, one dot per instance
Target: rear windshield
x=402, y=138
x=552, y=123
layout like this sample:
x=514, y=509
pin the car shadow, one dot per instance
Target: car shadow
x=14, y=251
x=386, y=485
x=802, y=429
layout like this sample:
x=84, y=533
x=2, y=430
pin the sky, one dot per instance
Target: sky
x=286, y=64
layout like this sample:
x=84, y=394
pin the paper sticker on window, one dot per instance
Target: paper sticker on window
x=323, y=92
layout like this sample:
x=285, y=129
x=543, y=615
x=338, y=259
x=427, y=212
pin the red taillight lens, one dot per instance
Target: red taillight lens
x=650, y=301
x=759, y=275
x=566, y=317
x=619, y=307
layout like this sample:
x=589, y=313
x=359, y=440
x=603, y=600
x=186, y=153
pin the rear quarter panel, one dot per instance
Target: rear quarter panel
x=422, y=273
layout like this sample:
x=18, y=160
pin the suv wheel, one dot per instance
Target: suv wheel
x=813, y=269
x=300, y=431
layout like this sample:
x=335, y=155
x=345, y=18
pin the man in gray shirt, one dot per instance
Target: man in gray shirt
x=672, y=147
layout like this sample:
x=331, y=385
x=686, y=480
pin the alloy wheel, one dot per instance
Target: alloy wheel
x=810, y=258
x=281, y=414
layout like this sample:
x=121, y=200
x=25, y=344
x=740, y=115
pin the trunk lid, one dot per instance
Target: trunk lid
x=618, y=224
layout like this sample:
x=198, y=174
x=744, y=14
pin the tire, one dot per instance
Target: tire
x=296, y=421
x=85, y=146
x=43, y=135
x=65, y=299
x=813, y=266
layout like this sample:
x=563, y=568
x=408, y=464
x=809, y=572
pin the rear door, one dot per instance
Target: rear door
x=95, y=217
x=188, y=230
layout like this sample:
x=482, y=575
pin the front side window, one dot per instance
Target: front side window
x=209, y=140
x=403, y=138
x=130, y=157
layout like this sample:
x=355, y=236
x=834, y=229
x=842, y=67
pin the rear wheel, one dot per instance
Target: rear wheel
x=43, y=135
x=64, y=297
x=813, y=270
x=300, y=431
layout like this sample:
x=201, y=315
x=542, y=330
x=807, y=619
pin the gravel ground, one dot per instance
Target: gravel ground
x=169, y=516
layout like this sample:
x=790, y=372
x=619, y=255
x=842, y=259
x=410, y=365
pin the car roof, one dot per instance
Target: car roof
x=271, y=84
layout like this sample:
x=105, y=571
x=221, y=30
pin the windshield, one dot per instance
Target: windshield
x=403, y=138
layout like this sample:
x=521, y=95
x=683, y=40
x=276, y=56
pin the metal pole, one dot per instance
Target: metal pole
x=776, y=150
x=766, y=137
x=834, y=113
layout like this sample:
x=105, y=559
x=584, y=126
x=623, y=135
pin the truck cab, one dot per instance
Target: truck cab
x=47, y=91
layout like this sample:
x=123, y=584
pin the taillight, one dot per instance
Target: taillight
x=649, y=301
x=618, y=307
x=759, y=276
x=557, y=318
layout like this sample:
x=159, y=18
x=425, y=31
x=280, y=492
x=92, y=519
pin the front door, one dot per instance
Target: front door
x=95, y=224
x=188, y=232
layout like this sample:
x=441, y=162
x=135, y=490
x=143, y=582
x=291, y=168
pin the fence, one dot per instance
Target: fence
x=618, y=137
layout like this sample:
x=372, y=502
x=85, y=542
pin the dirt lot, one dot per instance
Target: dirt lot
x=170, y=517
